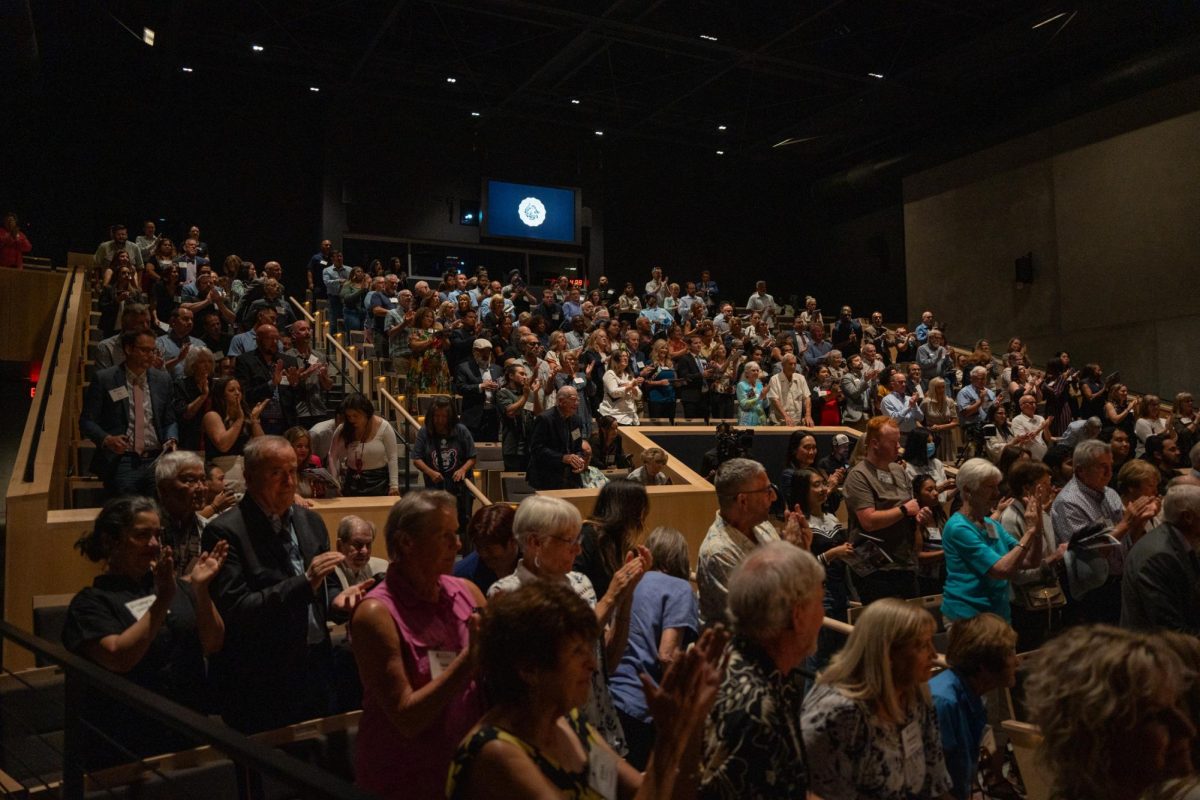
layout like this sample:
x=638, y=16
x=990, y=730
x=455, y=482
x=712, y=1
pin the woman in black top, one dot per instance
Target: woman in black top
x=137, y=619
x=830, y=544
x=607, y=450
x=618, y=517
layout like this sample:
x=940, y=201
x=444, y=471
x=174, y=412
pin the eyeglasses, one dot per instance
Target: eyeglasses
x=190, y=480
x=770, y=487
x=568, y=542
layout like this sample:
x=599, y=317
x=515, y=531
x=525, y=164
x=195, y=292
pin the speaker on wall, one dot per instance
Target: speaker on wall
x=1024, y=269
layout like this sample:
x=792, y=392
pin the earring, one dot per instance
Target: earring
x=537, y=561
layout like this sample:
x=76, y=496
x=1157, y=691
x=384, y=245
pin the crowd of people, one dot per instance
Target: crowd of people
x=572, y=657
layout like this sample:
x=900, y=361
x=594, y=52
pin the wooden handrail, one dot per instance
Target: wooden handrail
x=346, y=354
x=300, y=307
x=480, y=496
x=400, y=409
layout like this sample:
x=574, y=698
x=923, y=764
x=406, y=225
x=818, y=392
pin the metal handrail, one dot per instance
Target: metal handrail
x=83, y=675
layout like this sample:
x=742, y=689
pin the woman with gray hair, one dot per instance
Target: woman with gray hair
x=548, y=532
x=980, y=555
x=752, y=745
x=664, y=621
x=1111, y=706
x=416, y=654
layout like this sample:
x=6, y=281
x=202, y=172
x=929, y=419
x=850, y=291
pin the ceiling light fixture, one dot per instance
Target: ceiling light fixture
x=598, y=133
x=148, y=36
x=720, y=152
x=186, y=69
x=1048, y=21
x=720, y=127
x=451, y=80
x=474, y=113
x=314, y=88
x=258, y=48
x=574, y=101
x=875, y=75
x=708, y=38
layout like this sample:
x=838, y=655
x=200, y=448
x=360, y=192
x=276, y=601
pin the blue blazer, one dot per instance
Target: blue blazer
x=102, y=416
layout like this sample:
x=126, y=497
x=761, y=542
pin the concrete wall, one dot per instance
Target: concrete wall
x=1107, y=204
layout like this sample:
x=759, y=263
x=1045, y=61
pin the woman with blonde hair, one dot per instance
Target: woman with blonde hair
x=941, y=417
x=1111, y=707
x=1148, y=422
x=870, y=729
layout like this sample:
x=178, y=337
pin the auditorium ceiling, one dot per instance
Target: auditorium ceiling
x=829, y=83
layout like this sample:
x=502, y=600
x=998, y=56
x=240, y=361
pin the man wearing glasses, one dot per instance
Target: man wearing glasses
x=129, y=416
x=744, y=497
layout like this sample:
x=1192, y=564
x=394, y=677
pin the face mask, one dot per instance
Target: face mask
x=930, y=449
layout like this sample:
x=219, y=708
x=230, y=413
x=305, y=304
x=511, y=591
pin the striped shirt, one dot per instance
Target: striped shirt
x=1078, y=506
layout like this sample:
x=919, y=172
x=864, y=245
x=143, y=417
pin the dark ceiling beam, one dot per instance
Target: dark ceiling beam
x=639, y=34
x=737, y=63
x=388, y=22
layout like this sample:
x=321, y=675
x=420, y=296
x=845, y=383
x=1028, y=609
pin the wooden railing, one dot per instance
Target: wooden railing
x=356, y=372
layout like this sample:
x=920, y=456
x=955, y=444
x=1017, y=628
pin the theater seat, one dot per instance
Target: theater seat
x=50, y=616
x=215, y=779
x=1026, y=740
x=514, y=487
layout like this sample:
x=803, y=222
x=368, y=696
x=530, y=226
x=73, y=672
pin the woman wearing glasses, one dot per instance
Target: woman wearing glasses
x=548, y=532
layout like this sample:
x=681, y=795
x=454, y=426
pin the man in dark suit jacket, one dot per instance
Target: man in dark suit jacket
x=477, y=380
x=690, y=370
x=267, y=374
x=109, y=418
x=275, y=667
x=556, y=444
x=1160, y=588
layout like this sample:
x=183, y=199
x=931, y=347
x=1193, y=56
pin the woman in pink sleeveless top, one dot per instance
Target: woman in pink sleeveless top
x=413, y=644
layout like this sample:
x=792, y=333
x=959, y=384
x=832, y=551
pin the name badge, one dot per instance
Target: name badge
x=119, y=393
x=217, y=356
x=439, y=661
x=885, y=478
x=933, y=534
x=140, y=606
x=602, y=773
x=914, y=755
x=575, y=434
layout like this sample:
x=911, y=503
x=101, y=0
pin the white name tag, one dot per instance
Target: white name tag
x=140, y=606
x=440, y=661
x=217, y=356
x=914, y=755
x=574, y=434
x=119, y=393
x=602, y=772
x=933, y=534
x=884, y=478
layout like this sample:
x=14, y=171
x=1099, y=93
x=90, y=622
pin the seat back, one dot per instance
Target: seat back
x=514, y=487
x=1027, y=744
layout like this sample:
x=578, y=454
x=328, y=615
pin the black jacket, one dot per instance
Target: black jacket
x=553, y=437
x=263, y=670
x=1160, y=588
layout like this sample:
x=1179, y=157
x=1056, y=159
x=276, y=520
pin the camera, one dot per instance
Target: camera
x=731, y=443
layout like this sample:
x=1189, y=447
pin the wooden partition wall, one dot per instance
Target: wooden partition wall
x=689, y=504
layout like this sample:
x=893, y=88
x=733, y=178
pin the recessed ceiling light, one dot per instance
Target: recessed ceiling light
x=574, y=101
x=186, y=69
x=598, y=133
x=1048, y=21
x=148, y=36
x=720, y=152
x=314, y=88
x=706, y=37
x=474, y=113
x=720, y=127
x=451, y=80
x=875, y=75
x=258, y=48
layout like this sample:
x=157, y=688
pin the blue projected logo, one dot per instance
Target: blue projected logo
x=526, y=211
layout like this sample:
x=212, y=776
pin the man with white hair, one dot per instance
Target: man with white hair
x=752, y=746
x=788, y=395
x=1094, y=577
x=1080, y=431
x=1161, y=585
x=744, y=497
x=974, y=401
